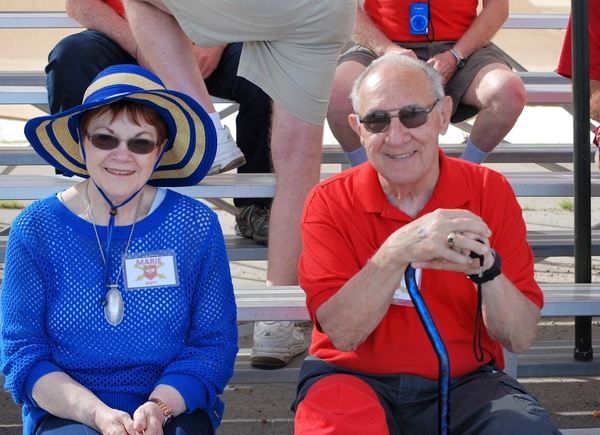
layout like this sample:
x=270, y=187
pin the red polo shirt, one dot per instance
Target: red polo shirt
x=345, y=220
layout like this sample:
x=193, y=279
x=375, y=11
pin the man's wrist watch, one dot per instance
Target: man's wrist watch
x=460, y=59
x=165, y=410
x=489, y=274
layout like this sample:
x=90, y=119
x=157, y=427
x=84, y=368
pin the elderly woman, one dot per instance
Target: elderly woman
x=118, y=312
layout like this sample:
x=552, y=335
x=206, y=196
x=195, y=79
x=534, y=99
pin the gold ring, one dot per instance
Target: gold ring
x=451, y=238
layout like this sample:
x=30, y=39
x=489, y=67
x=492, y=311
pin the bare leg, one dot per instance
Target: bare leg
x=501, y=96
x=296, y=153
x=595, y=100
x=340, y=105
x=167, y=49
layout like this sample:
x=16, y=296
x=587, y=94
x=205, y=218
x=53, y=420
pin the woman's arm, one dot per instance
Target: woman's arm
x=61, y=396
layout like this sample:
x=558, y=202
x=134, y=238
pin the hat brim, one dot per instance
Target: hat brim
x=186, y=158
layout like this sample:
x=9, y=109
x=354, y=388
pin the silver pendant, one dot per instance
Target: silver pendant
x=114, y=307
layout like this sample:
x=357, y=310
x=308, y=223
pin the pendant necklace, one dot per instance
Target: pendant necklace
x=114, y=307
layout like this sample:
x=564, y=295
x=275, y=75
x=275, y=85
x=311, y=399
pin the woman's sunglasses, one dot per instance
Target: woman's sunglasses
x=107, y=142
x=409, y=116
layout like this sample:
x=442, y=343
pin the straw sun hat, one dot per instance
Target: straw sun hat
x=192, y=140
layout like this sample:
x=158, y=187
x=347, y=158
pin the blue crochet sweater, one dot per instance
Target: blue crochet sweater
x=52, y=318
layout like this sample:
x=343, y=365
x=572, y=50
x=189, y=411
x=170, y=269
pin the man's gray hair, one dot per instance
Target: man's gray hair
x=397, y=59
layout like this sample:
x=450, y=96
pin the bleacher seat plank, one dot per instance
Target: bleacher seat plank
x=536, y=21
x=570, y=299
x=23, y=95
x=36, y=20
x=333, y=154
x=20, y=155
x=244, y=373
x=233, y=185
x=537, y=93
x=59, y=19
x=558, y=243
x=544, y=358
x=555, y=358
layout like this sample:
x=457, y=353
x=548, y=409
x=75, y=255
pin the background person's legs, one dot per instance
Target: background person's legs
x=595, y=100
x=167, y=48
x=500, y=96
x=253, y=126
x=340, y=106
x=296, y=152
x=75, y=62
x=293, y=60
x=169, y=52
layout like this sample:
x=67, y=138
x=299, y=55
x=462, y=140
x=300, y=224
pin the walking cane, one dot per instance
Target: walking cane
x=440, y=351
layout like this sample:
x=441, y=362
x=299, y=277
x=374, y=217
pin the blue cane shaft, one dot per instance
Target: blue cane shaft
x=440, y=351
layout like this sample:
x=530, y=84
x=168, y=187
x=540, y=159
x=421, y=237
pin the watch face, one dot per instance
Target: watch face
x=461, y=63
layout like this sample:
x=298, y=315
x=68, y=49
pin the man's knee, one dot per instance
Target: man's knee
x=71, y=50
x=506, y=88
x=340, y=103
x=340, y=404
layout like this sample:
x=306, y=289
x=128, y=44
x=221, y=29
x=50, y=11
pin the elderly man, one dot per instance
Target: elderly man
x=455, y=40
x=372, y=367
x=290, y=51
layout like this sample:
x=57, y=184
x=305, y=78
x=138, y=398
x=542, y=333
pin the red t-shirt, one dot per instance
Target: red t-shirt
x=450, y=19
x=347, y=218
x=117, y=5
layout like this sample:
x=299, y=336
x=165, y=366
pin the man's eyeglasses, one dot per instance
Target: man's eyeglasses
x=409, y=116
x=107, y=142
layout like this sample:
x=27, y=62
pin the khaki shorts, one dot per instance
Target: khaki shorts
x=290, y=49
x=460, y=81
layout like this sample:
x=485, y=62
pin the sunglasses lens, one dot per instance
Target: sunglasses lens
x=104, y=141
x=141, y=146
x=409, y=116
x=413, y=117
x=376, y=122
x=108, y=142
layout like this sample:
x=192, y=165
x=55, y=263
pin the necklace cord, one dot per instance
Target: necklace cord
x=111, y=226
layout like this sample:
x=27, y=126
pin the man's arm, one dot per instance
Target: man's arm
x=367, y=34
x=353, y=312
x=97, y=15
x=493, y=15
x=509, y=317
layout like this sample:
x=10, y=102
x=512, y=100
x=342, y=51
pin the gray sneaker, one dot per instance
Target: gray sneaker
x=275, y=345
x=253, y=223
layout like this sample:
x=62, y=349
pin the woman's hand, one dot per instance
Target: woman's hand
x=148, y=419
x=114, y=422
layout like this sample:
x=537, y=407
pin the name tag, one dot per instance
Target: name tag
x=151, y=269
x=401, y=295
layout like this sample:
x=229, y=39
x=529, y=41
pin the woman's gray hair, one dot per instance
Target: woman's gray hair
x=397, y=59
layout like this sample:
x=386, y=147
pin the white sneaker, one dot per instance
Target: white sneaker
x=275, y=345
x=229, y=156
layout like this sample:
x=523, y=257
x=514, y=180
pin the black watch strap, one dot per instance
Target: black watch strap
x=489, y=274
